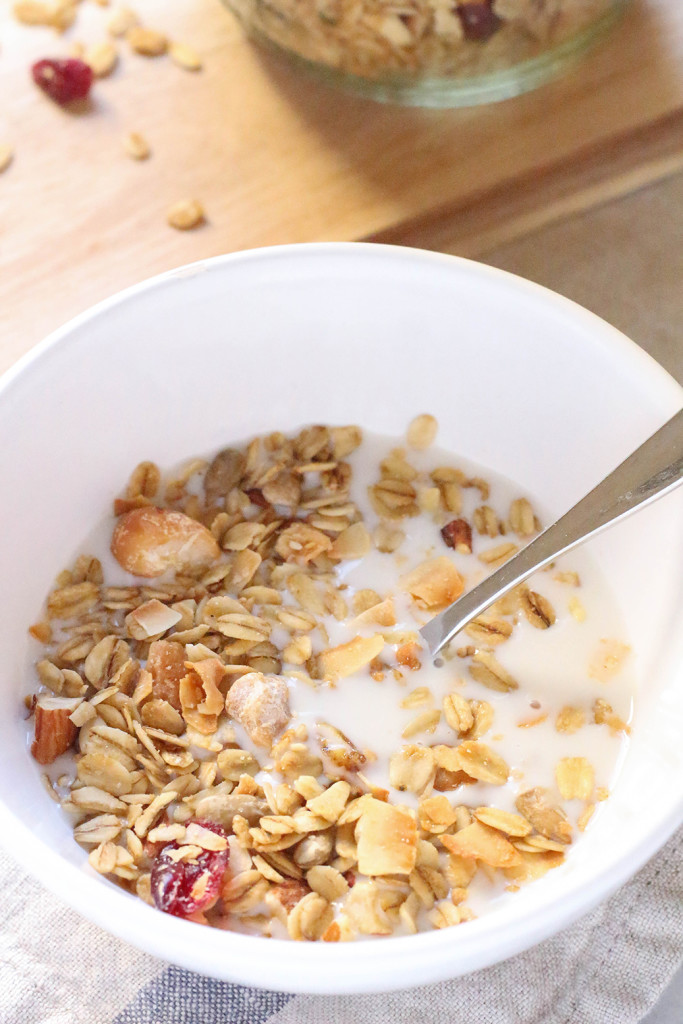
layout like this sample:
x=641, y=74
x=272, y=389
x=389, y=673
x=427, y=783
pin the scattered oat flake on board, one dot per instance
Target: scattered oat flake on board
x=121, y=21
x=185, y=215
x=146, y=41
x=102, y=58
x=136, y=146
x=32, y=12
x=62, y=14
x=6, y=156
x=185, y=57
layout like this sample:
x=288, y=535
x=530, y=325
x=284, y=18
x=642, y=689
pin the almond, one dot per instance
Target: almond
x=147, y=541
x=54, y=730
x=458, y=535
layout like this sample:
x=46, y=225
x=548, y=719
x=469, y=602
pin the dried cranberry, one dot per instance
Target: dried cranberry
x=63, y=80
x=479, y=20
x=256, y=497
x=184, y=887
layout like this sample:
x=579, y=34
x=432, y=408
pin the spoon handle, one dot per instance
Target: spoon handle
x=650, y=472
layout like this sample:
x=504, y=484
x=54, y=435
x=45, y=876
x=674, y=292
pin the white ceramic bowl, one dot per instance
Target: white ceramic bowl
x=522, y=381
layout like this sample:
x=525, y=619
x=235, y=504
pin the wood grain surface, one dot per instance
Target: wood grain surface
x=275, y=157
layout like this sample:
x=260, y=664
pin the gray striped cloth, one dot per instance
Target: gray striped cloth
x=609, y=968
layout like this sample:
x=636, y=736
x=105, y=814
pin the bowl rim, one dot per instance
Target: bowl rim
x=342, y=967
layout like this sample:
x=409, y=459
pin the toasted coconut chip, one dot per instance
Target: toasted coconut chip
x=387, y=839
x=435, y=583
x=345, y=660
x=151, y=620
x=479, y=842
x=503, y=821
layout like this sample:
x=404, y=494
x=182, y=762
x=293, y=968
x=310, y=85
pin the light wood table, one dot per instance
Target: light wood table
x=275, y=157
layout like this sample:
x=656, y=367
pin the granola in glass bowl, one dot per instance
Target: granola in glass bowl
x=431, y=52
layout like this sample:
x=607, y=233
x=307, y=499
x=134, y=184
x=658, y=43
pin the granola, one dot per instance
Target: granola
x=383, y=39
x=241, y=720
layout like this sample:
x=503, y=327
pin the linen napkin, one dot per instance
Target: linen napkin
x=608, y=968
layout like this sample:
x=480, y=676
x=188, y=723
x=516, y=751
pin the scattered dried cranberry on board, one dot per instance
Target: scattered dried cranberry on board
x=184, y=887
x=479, y=20
x=63, y=80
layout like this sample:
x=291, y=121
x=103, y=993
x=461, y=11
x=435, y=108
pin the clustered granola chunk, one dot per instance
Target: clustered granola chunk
x=147, y=688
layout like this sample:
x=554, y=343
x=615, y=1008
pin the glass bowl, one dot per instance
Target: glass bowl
x=439, y=53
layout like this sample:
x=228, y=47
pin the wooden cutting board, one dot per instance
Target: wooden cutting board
x=276, y=157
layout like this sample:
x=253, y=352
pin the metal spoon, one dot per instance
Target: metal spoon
x=649, y=473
